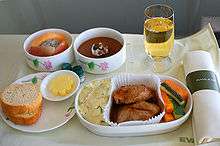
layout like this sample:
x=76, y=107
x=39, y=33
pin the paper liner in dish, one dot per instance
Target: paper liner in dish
x=151, y=81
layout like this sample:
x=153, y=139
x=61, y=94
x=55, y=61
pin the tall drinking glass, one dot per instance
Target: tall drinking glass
x=159, y=36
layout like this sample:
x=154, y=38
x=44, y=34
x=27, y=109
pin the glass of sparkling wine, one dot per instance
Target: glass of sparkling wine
x=159, y=36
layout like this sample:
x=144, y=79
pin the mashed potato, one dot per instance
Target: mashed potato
x=92, y=100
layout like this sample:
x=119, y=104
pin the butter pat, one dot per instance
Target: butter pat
x=62, y=85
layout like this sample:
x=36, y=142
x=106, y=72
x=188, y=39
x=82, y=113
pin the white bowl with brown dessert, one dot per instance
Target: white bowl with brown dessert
x=100, y=50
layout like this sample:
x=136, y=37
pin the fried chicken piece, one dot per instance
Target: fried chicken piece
x=137, y=111
x=132, y=93
x=143, y=105
x=130, y=114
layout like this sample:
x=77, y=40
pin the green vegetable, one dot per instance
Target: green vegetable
x=101, y=110
x=178, y=109
x=173, y=94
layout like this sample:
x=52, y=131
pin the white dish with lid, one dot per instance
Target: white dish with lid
x=137, y=130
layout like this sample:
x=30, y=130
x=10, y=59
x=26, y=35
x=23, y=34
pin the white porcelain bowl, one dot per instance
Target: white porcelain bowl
x=100, y=65
x=137, y=130
x=48, y=95
x=50, y=63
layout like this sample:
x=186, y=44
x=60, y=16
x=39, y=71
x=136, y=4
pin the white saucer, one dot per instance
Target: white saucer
x=54, y=114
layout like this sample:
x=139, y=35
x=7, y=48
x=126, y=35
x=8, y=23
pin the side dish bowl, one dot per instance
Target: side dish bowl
x=137, y=130
x=48, y=95
x=49, y=63
x=100, y=65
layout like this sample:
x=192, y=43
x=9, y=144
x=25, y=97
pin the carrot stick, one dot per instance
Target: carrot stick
x=167, y=103
x=180, y=90
x=168, y=117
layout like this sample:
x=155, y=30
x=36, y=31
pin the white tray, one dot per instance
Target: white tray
x=122, y=131
x=73, y=133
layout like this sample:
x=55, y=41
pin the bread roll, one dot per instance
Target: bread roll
x=22, y=103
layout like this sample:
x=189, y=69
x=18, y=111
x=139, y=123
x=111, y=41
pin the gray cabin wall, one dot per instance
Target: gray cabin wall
x=28, y=16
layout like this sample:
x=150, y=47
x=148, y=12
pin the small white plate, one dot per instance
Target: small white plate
x=48, y=95
x=54, y=114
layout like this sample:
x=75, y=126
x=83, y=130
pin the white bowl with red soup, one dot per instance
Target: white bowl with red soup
x=100, y=50
x=47, y=49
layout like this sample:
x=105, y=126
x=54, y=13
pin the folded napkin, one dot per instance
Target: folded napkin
x=202, y=80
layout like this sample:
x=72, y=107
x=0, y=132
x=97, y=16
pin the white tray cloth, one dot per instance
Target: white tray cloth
x=12, y=66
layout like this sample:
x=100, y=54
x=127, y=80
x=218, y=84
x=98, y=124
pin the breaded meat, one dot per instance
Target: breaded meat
x=137, y=111
x=132, y=93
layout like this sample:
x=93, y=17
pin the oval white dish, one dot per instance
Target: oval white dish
x=54, y=114
x=137, y=130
